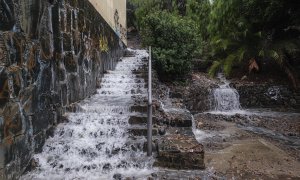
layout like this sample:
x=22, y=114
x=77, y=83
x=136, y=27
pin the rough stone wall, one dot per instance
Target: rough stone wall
x=52, y=53
x=198, y=96
x=267, y=96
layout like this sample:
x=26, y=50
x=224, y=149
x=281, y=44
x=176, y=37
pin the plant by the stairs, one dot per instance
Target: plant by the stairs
x=173, y=39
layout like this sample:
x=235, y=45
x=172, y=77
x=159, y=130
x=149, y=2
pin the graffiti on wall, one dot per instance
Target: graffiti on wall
x=114, y=13
x=119, y=29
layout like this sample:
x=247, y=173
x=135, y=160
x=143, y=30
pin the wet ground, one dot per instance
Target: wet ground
x=238, y=147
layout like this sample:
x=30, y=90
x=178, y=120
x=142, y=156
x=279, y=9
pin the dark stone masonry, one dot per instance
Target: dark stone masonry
x=52, y=54
x=268, y=96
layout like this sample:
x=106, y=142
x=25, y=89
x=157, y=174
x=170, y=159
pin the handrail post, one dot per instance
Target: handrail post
x=149, y=123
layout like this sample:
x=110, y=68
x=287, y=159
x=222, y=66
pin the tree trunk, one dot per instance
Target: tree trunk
x=181, y=6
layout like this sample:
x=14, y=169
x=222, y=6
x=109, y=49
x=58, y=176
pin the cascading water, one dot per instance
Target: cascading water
x=94, y=144
x=225, y=98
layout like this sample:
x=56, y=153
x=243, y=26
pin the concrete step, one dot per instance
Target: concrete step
x=139, y=108
x=138, y=120
x=142, y=75
x=139, y=143
x=141, y=120
x=179, y=119
x=180, y=150
x=139, y=130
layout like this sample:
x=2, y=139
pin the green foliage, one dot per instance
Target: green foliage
x=231, y=33
x=198, y=11
x=173, y=39
x=241, y=30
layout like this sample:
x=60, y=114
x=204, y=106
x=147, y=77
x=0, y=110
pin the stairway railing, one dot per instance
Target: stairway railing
x=149, y=122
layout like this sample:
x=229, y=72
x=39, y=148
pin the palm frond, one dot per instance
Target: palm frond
x=275, y=56
x=214, y=68
x=261, y=53
x=228, y=63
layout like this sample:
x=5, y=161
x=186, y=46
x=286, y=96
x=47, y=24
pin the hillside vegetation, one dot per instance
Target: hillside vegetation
x=241, y=34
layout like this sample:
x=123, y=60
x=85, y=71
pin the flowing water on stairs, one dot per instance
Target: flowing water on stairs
x=95, y=143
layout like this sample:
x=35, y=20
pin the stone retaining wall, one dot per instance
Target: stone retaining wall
x=198, y=94
x=52, y=54
x=267, y=96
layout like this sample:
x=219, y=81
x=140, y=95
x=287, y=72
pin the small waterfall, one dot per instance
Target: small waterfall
x=225, y=98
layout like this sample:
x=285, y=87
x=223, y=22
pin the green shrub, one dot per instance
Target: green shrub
x=173, y=39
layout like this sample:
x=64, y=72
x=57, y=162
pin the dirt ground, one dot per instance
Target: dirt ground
x=236, y=153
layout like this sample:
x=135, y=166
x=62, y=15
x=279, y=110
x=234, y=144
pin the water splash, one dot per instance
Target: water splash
x=94, y=144
x=167, y=106
x=225, y=98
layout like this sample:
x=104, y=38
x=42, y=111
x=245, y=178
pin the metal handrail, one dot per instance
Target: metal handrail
x=149, y=121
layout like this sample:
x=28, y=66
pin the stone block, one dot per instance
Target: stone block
x=141, y=131
x=141, y=109
x=71, y=63
x=179, y=119
x=44, y=78
x=73, y=85
x=76, y=41
x=22, y=150
x=12, y=117
x=41, y=120
x=180, y=151
x=81, y=20
x=63, y=92
x=61, y=71
x=26, y=100
x=69, y=20
x=39, y=140
x=2, y=157
x=2, y=174
x=6, y=152
x=67, y=42
x=137, y=120
x=4, y=91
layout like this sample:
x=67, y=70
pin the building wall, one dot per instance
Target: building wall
x=52, y=54
x=114, y=13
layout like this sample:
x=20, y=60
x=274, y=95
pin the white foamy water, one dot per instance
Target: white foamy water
x=94, y=144
x=167, y=106
x=226, y=99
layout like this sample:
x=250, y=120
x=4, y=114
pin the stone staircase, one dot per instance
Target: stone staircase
x=174, y=143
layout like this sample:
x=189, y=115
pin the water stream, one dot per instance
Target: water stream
x=226, y=103
x=225, y=98
x=94, y=144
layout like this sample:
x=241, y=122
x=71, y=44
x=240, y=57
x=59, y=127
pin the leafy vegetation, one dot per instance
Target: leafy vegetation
x=231, y=33
x=173, y=42
x=254, y=31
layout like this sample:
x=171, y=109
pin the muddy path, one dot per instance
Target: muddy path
x=234, y=151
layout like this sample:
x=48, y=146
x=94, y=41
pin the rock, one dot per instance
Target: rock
x=200, y=125
x=244, y=77
x=107, y=167
x=162, y=131
x=117, y=176
x=180, y=151
x=197, y=97
x=154, y=175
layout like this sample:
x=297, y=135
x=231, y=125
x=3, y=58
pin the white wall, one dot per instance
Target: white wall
x=114, y=12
